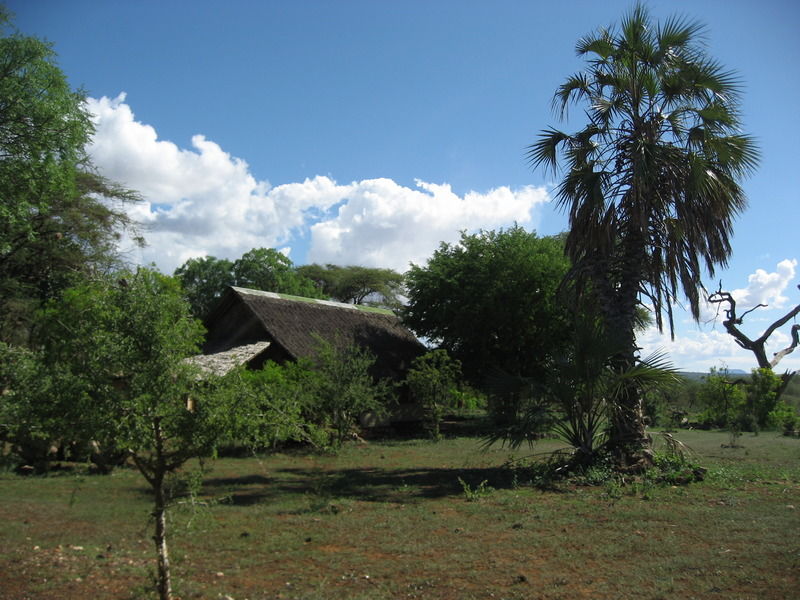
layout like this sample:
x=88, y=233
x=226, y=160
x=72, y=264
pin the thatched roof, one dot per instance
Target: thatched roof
x=291, y=325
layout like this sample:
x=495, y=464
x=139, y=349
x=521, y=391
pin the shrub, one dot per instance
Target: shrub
x=433, y=380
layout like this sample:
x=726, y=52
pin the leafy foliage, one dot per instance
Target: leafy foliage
x=490, y=301
x=343, y=389
x=579, y=397
x=721, y=397
x=743, y=404
x=279, y=403
x=432, y=381
x=205, y=279
x=27, y=423
x=122, y=343
x=269, y=270
x=58, y=219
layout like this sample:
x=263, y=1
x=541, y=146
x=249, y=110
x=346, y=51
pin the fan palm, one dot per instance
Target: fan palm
x=651, y=184
x=579, y=396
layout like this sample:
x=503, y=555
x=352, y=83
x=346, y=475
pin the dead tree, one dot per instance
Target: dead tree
x=757, y=346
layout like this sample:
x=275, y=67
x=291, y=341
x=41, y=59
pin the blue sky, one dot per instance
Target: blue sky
x=368, y=132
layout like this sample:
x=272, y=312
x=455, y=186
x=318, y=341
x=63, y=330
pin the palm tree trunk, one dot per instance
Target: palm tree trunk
x=628, y=440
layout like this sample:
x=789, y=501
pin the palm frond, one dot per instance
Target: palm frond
x=573, y=89
x=676, y=33
x=545, y=151
x=602, y=45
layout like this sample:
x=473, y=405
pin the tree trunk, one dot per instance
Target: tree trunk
x=160, y=539
x=159, y=471
x=628, y=440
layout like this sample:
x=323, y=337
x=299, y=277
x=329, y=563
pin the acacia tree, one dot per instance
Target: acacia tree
x=122, y=343
x=357, y=285
x=651, y=184
x=59, y=220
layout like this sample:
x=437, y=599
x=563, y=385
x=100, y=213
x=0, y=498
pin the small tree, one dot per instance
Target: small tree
x=432, y=380
x=722, y=398
x=124, y=342
x=343, y=388
x=763, y=397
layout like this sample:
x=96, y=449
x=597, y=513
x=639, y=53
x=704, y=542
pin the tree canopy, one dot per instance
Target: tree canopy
x=58, y=218
x=205, y=279
x=651, y=184
x=357, y=285
x=490, y=301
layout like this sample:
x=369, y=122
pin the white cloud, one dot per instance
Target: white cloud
x=203, y=201
x=385, y=224
x=767, y=288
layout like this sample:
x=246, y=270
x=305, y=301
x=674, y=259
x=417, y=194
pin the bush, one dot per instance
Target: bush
x=750, y=405
x=722, y=398
x=432, y=381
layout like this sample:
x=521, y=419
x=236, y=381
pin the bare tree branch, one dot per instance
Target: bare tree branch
x=757, y=346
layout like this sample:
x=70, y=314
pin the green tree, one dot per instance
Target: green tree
x=651, y=184
x=342, y=389
x=28, y=425
x=269, y=270
x=58, y=219
x=283, y=398
x=122, y=342
x=432, y=381
x=722, y=397
x=203, y=281
x=490, y=301
x=763, y=396
x=357, y=285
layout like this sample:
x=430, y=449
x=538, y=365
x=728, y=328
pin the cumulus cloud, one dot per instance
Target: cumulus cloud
x=203, y=201
x=767, y=288
x=386, y=224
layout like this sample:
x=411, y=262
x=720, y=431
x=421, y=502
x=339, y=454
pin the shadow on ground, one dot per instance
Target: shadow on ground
x=364, y=484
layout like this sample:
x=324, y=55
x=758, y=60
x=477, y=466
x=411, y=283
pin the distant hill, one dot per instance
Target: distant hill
x=697, y=376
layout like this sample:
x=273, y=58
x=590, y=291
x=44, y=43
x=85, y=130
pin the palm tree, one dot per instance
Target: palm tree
x=650, y=184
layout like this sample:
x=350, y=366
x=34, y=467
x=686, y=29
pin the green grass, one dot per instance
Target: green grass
x=394, y=520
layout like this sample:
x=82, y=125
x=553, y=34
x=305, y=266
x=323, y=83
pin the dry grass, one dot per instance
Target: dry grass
x=391, y=520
